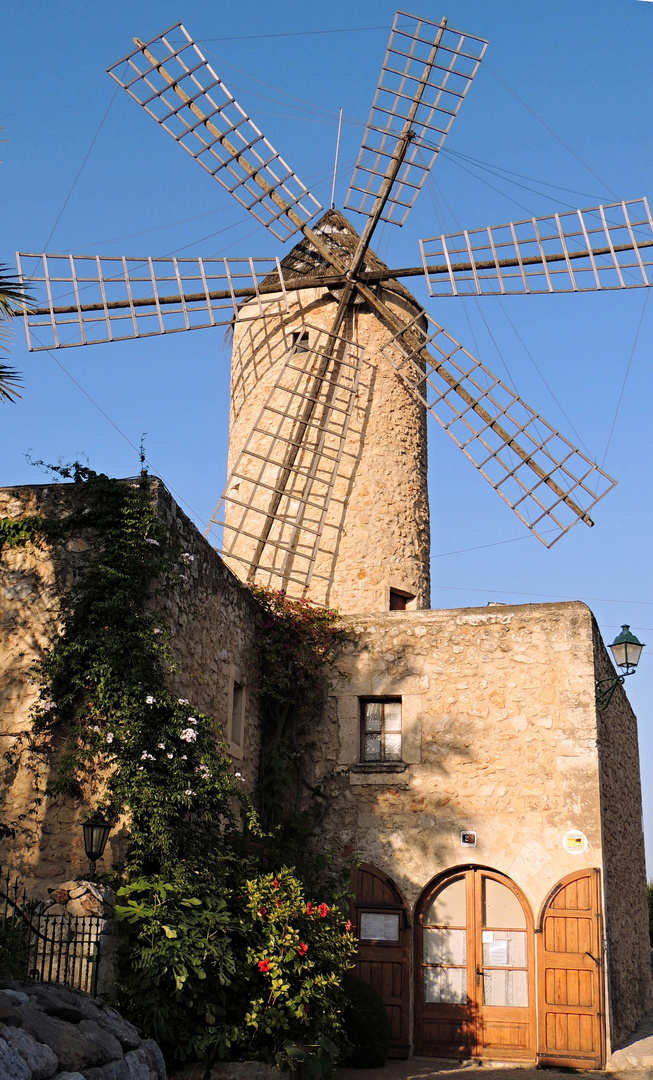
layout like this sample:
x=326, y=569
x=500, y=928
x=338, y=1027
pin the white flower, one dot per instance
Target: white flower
x=149, y=700
x=187, y=557
x=192, y=720
x=183, y=577
x=150, y=541
x=147, y=757
x=203, y=770
x=110, y=736
x=183, y=701
x=189, y=735
x=240, y=777
x=94, y=728
x=189, y=791
x=184, y=758
x=48, y=706
x=170, y=755
x=156, y=630
x=140, y=768
x=161, y=746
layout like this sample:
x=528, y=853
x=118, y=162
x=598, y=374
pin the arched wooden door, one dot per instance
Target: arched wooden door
x=474, y=967
x=380, y=919
x=570, y=974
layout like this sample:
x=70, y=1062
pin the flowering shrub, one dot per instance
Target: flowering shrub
x=257, y=974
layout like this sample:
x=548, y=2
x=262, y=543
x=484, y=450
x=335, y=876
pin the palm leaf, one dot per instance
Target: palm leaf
x=9, y=380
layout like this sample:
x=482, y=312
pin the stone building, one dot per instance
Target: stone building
x=500, y=892
x=500, y=900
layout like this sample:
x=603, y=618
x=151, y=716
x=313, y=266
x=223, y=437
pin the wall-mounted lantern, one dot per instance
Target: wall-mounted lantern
x=96, y=833
x=626, y=651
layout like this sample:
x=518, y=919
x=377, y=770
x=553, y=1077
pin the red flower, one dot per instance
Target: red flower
x=264, y=966
x=306, y=1007
x=309, y=909
x=323, y=910
x=349, y=925
x=275, y=884
x=303, y=948
x=278, y=903
x=262, y=911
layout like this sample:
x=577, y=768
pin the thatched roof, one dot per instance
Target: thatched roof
x=340, y=235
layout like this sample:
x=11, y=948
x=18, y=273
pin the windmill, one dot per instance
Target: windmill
x=335, y=364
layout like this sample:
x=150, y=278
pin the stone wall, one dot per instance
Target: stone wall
x=624, y=868
x=211, y=618
x=500, y=736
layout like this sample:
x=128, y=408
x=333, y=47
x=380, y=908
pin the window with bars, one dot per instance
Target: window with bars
x=381, y=730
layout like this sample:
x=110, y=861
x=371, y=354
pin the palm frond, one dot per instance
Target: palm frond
x=9, y=380
x=13, y=292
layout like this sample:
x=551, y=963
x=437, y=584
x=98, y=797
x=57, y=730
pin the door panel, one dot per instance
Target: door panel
x=570, y=974
x=474, y=990
x=381, y=922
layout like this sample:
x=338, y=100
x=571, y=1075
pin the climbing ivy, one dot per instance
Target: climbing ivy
x=103, y=708
x=296, y=646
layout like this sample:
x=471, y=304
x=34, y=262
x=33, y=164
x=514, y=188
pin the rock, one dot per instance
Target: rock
x=59, y=896
x=39, y=1058
x=71, y=1046
x=70, y=1076
x=114, y=1070
x=12, y=1066
x=10, y=1016
x=115, y=1024
x=15, y=996
x=52, y=998
x=154, y=1057
x=137, y=1062
x=99, y=1036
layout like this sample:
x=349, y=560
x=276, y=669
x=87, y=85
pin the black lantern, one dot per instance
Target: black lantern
x=96, y=833
x=626, y=651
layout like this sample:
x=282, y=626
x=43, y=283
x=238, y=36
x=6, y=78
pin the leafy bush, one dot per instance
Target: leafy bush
x=255, y=975
x=366, y=1025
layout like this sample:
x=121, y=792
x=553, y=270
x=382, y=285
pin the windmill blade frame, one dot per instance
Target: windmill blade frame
x=546, y=481
x=178, y=88
x=427, y=71
x=598, y=249
x=118, y=298
x=297, y=462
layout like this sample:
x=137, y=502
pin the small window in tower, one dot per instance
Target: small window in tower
x=300, y=341
x=236, y=723
x=381, y=730
x=399, y=601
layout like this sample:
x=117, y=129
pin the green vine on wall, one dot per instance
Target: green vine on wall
x=297, y=646
x=104, y=710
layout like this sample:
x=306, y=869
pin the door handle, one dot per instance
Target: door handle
x=597, y=962
x=479, y=975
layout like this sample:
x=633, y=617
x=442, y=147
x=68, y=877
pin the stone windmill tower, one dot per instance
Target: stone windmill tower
x=335, y=364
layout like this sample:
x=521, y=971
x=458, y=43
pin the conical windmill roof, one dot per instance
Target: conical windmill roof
x=340, y=235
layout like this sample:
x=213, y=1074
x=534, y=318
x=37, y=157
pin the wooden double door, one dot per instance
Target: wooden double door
x=474, y=969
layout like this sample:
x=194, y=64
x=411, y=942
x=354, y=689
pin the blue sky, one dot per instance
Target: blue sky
x=560, y=116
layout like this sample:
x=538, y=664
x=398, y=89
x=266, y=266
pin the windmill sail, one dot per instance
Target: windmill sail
x=283, y=506
x=426, y=74
x=87, y=299
x=172, y=80
x=547, y=482
x=605, y=247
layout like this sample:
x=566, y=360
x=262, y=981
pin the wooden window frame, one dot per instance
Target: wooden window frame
x=381, y=762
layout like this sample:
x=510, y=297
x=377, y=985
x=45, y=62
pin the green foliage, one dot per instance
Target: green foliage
x=220, y=958
x=366, y=1024
x=177, y=960
x=103, y=707
x=256, y=973
x=296, y=650
x=13, y=950
x=15, y=532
